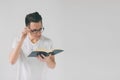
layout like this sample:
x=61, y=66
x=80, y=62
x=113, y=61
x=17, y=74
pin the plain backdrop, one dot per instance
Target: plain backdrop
x=87, y=30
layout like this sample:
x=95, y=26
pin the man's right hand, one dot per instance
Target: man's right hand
x=25, y=32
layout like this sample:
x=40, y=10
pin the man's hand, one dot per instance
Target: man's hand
x=44, y=58
x=25, y=32
x=50, y=60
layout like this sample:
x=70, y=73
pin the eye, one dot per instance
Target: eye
x=40, y=29
x=34, y=30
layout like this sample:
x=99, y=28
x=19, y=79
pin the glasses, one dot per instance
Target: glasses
x=35, y=31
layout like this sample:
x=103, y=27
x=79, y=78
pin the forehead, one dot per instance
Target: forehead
x=35, y=25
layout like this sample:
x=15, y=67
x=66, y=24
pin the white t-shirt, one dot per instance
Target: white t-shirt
x=30, y=68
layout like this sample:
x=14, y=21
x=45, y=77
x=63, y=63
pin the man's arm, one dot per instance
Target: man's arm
x=50, y=60
x=16, y=51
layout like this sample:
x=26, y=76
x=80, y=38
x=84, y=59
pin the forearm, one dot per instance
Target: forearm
x=15, y=52
x=51, y=63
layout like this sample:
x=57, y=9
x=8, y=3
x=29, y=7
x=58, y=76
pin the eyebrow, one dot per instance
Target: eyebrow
x=37, y=29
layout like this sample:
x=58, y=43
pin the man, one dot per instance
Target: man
x=31, y=38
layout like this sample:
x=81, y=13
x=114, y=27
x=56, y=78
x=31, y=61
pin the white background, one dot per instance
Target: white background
x=88, y=31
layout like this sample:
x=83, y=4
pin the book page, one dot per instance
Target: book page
x=46, y=50
x=43, y=49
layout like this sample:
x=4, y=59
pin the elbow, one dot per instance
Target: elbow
x=53, y=66
x=11, y=61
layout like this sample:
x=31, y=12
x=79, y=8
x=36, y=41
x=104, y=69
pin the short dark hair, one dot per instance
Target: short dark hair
x=32, y=17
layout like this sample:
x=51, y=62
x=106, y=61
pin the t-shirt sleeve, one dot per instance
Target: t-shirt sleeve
x=51, y=44
x=15, y=41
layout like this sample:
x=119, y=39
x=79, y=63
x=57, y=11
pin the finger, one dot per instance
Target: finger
x=43, y=56
x=40, y=58
x=24, y=32
x=25, y=29
x=28, y=29
x=50, y=54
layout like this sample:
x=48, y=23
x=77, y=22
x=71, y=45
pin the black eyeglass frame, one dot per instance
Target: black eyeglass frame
x=35, y=31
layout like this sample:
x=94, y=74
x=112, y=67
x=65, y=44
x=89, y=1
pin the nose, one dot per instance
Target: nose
x=38, y=33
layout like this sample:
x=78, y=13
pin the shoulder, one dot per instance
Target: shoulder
x=46, y=39
x=48, y=42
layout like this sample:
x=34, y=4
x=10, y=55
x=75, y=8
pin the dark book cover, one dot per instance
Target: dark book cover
x=36, y=53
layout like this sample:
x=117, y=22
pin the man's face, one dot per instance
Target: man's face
x=35, y=30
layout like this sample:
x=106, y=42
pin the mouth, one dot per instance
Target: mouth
x=38, y=36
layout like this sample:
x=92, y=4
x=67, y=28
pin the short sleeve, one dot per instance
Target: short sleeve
x=15, y=41
x=51, y=44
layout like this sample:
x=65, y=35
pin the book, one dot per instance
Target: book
x=45, y=52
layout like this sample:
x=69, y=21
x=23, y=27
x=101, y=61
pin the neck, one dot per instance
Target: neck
x=34, y=40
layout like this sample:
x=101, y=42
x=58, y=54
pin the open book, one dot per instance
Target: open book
x=44, y=52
